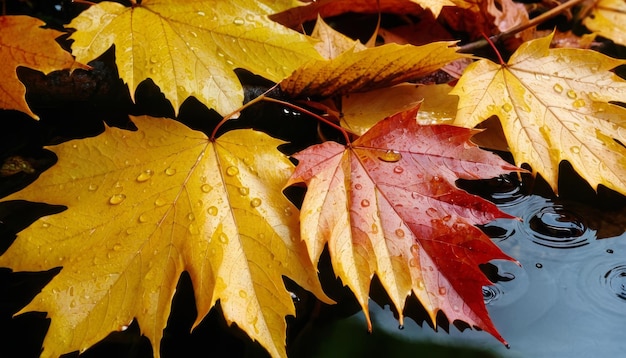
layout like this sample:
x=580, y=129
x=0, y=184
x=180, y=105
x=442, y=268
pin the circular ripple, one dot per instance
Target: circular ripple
x=506, y=191
x=556, y=227
x=511, y=285
x=602, y=285
x=615, y=281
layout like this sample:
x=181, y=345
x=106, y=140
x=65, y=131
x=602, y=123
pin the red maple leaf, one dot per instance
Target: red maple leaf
x=387, y=205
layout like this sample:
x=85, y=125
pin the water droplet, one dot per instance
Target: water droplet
x=191, y=217
x=244, y=191
x=609, y=251
x=398, y=170
x=255, y=202
x=571, y=94
x=575, y=150
x=390, y=156
x=45, y=225
x=413, y=262
x=442, y=291
x=160, y=202
x=212, y=211
x=92, y=187
x=365, y=203
x=243, y=294
x=192, y=33
x=579, y=103
x=374, y=229
x=400, y=233
x=420, y=284
x=117, y=247
x=142, y=218
x=557, y=88
x=154, y=59
x=205, y=188
x=116, y=199
x=239, y=21
x=507, y=107
x=538, y=265
x=170, y=171
x=288, y=211
x=223, y=238
x=358, y=186
x=437, y=179
x=432, y=212
x=415, y=249
x=201, y=13
x=232, y=171
x=145, y=175
x=400, y=326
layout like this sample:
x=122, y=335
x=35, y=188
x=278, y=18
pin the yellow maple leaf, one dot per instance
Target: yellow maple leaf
x=553, y=105
x=361, y=111
x=190, y=48
x=38, y=51
x=608, y=19
x=368, y=69
x=145, y=206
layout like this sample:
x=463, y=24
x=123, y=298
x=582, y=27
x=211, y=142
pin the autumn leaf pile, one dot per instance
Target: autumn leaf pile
x=145, y=206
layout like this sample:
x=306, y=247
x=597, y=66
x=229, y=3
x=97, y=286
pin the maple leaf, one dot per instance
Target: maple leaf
x=190, y=48
x=327, y=8
x=38, y=51
x=608, y=19
x=361, y=111
x=553, y=105
x=387, y=205
x=145, y=206
x=368, y=69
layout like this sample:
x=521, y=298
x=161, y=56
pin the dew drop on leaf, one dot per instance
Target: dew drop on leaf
x=142, y=218
x=365, y=203
x=212, y=211
x=205, y=188
x=117, y=247
x=201, y=13
x=557, y=88
x=571, y=94
x=400, y=233
x=358, y=186
x=415, y=249
x=507, y=107
x=92, y=187
x=255, y=202
x=579, y=103
x=442, y=291
x=390, y=156
x=398, y=170
x=413, y=262
x=145, y=175
x=170, y=171
x=223, y=238
x=232, y=171
x=243, y=294
x=575, y=150
x=239, y=21
x=116, y=199
x=159, y=202
x=288, y=211
x=191, y=217
x=244, y=191
x=45, y=225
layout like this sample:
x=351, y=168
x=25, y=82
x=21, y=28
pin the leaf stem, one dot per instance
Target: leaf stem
x=315, y=115
x=238, y=110
x=470, y=47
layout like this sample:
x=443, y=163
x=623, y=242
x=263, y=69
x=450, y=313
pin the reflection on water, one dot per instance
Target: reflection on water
x=569, y=297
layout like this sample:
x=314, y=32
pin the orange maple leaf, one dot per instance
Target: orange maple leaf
x=38, y=51
x=387, y=205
